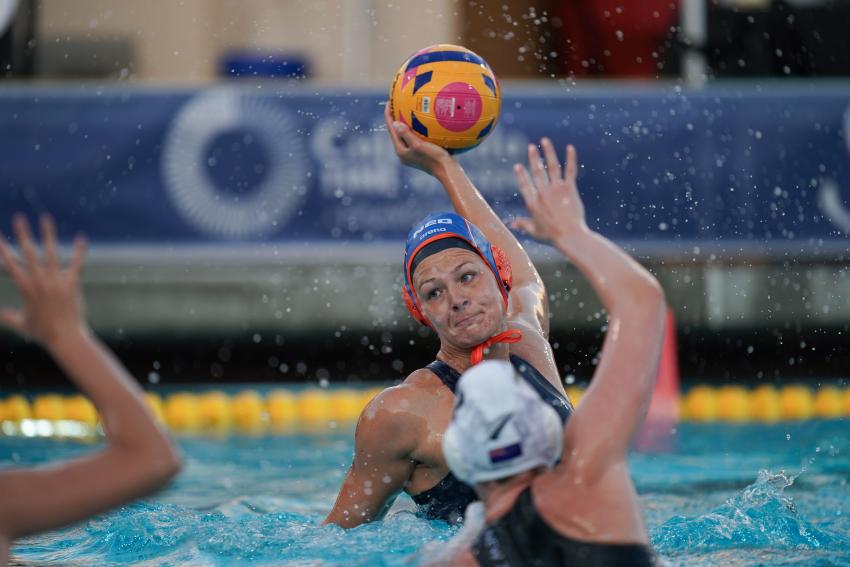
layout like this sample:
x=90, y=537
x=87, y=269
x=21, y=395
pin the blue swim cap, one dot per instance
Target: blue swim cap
x=439, y=226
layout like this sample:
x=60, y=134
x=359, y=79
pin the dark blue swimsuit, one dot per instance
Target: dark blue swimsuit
x=448, y=499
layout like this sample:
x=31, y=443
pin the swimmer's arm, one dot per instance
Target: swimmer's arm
x=464, y=559
x=529, y=301
x=382, y=465
x=138, y=458
x=623, y=381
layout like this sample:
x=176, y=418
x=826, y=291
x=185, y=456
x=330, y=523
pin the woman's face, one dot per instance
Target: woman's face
x=458, y=294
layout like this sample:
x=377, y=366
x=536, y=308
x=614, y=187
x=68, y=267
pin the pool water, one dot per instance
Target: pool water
x=722, y=495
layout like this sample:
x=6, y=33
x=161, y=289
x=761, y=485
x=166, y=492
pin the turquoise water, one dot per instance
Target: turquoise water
x=722, y=495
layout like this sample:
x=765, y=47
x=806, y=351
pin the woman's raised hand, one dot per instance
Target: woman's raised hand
x=413, y=150
x=550, y=195
x=52, y=305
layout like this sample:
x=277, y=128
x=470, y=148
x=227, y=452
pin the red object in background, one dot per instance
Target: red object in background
x=614, y=38
x=663, y=414
x=665, y=397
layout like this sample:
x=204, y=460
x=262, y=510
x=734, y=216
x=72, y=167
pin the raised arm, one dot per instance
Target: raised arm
x=598, y=434
x=139, y=456
x=528, y=295
x=382, y=463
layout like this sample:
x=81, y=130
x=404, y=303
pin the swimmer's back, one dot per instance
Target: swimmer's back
x=523, y=538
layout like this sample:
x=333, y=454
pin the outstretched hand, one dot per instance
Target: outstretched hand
x=411, y=149
x=52, y=305
x=551, y=197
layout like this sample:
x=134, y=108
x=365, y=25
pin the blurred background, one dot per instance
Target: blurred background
x=229, y=163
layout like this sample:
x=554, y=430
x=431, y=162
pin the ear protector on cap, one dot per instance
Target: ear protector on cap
x=450, y=225
x=503, y=266
x=412, y=308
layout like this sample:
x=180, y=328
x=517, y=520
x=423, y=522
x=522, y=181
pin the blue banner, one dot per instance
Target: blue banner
x=744, y=167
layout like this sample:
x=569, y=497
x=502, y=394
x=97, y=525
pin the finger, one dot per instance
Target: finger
x=78, y=256
x=11, y=263
x=388, y=117
x=536, y=165
x=24, y=236
x=526, y=186
x=552, y=163
x=12, y=319
x=48, y=237
x=406, y=134
x=397, y=143
x=523, y=224
x=572, y=163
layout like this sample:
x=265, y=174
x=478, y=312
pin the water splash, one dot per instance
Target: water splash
x=259, y=501
x=760, y=516
x=240, y=532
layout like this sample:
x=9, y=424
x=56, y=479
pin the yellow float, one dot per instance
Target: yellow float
x=283, y=410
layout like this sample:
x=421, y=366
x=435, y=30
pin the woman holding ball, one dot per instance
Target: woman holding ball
x=479, y=291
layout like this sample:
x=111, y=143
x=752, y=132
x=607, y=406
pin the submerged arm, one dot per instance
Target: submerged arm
x=139, y=456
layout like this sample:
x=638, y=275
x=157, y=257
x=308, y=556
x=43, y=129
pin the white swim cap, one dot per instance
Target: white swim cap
x=501, y=426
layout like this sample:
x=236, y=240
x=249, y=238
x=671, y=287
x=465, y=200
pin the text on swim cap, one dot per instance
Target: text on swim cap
x=432, y=223
x=433, y=231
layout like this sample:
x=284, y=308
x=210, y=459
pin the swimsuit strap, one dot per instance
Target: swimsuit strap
x=447, y=375
x=544, y=388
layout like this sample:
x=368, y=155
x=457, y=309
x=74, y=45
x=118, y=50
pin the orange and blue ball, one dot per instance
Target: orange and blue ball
x=447, y=95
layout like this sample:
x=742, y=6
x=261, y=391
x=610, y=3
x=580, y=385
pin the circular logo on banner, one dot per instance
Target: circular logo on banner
x=233, y=164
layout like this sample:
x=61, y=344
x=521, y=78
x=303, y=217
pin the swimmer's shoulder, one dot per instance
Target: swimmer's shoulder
x=423, y=379
x=398, y=415
x=430, y=391
x=390, y=421
x=405, y=398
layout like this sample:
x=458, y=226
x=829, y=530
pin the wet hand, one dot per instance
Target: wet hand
x=550, y=196
x=52, y=306
x=413, y=150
